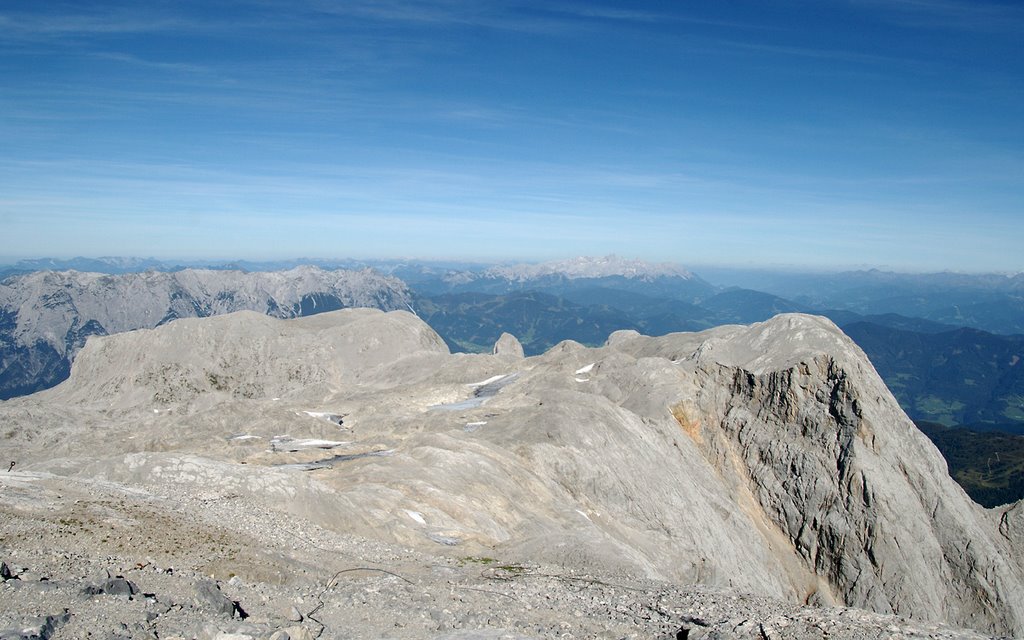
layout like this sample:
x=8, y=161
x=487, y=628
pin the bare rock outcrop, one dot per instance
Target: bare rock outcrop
x=508, y=346
x=792, y=411
x=46, y=317
x=246, y=355
x=768, y=460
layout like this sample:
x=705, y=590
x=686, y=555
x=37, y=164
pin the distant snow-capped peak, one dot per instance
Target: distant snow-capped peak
x=590, y=267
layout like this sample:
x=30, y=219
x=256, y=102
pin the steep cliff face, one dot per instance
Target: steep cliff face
x=792, y=410
x=768, y=458
x=47, y=316
x=859, y=496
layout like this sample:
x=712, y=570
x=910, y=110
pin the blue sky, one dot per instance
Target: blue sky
x=822, y=133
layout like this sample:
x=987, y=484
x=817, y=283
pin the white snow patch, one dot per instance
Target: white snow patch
x=583, y=514
x=416, y=515
x=473, y=426
x=582, y=379
x=314, y=442
x=333, y=418
x=286, y=443
x=245, y=436
x=586, y=369
x=484, y=391
x=487, y=381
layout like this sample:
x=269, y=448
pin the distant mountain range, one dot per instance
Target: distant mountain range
x=118, y=265
x=942, y=368
x=938, y=369
x=990, y=302
x=473, y=322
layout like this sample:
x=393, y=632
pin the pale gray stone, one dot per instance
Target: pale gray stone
x=508, y=346
x=768, y=460
x=298, y=632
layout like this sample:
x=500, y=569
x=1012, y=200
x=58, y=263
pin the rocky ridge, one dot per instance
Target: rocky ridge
x=717, y=483
x=47, y=316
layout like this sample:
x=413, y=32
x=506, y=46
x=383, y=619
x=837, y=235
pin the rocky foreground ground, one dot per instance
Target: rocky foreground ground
x=97, y=559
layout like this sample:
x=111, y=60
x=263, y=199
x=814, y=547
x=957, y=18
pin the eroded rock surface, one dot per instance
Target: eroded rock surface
x=729, y=477
x=46, y=317
x=508, y=346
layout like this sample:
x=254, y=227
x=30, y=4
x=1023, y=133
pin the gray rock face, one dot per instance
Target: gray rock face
x=46, y=317
x=40, y=628
x=210, y=597
x=508, y=346
x=768, y=459
x=118, y=586
x=794, y=412
x=245, y=355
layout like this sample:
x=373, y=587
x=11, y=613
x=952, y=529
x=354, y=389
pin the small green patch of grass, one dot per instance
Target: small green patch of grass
x=476, y=560
x=514, y=569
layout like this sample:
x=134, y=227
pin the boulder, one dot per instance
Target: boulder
x=118, y=586
x=508, y=345
x=209, y=597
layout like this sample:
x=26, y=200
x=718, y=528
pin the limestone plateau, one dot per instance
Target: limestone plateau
x=344, y=475
x=47, y=316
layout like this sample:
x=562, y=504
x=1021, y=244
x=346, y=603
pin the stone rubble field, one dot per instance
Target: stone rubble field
x=102, y=560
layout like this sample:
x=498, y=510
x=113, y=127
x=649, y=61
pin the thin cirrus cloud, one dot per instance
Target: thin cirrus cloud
x=515, y=127
x=952, y=14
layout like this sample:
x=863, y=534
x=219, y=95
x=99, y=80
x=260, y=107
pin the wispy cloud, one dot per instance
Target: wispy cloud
x=138, y=61
x=819, y=53
x=950, y=14
x=45, y=25
x=478, y=119
x=638, y=15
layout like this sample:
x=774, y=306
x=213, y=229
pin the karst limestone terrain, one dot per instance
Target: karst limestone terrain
x=47, y=316
x=344, y=475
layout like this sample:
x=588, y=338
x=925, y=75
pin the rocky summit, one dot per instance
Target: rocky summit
x=343, y=475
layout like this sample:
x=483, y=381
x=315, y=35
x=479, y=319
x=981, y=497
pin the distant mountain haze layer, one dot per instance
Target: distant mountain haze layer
x=990, y=302
x=768, y=458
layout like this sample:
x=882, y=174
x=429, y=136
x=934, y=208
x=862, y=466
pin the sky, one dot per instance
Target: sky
x=819, y=133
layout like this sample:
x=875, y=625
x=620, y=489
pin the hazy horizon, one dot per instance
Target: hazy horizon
x=695, y=267
x=807, y=134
